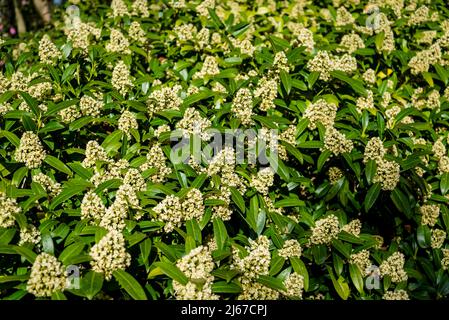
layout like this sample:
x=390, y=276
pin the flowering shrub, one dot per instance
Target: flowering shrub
x=348, y=201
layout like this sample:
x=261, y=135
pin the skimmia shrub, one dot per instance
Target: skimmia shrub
x=227, y=150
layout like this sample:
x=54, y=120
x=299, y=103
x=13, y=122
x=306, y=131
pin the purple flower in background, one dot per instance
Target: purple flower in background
x=12, y=30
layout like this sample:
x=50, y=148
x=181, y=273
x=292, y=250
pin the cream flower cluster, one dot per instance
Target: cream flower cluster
x=263, y=180
x=321, y=112
x=197, y=265
x=396, y=295
x=353, y=227
x=50, y=186
x=90, y=106
x=429, y=214
x=193, y=123
x=119, y=8
x=334, y=174
x=374, y=150
x=242, y=106
x=361, y=260
x=294, y=285
x=325, y=230
x=336, y=142
x=94, y=152
x=164, y=98
x=121, y=78
x=209, y=69
x=118, y=43
x=30, y=150
x=291, y=248
x=325, y=62
x=174, y=211
x=8, y=208
x=30, y=234
x=393, y=267
x=92, y=207
x=126, y=122
x=48, y=52
x=156, y=159
x=109, y=254
x=387, y=174
x=257, y=262
x=47, y=276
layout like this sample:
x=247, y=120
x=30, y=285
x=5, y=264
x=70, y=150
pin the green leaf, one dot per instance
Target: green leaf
x=172, y=271
x=401, y=202
x=189, y=244
x=279, y=167
x=7, y=249
x=57, y=164
x=341, y=247
x=278, y=43
x=445, y=216
x=108, y=185
x=81, y=122
x=194, y=98
x=130, y=284
x=372, y=195
x=58, y=295
x=289, y=202
x=224, y=287
x=271, y=282
x=11, y=137
x=340, y=285
x=320, y=253
x=26, y=253
x=6, y=235
x=370, y=170
x=356, y=277
x=260, y=221
x=253, y=212
x=311, y=145
x=276, y=265
x=301, y=269
x=47, y=244
x=28, y=123
x=14, y=278
x=323, y=158
x=112, y=141
x=91, y=284
x=444, y=183
x=167, y=250
x=423, y=236
x=80, y=170
x=428, y=77
x=293, y=151
x=442, y=73
x=71, y=251
x=66, y=194
x=355, y=84
x=19, y=175
x=220, y=233
x=145, y=249
x=31, y=102
x=227, y=274
x=199, y=181
x=237, y=199
x=312, y=78
x=286, y=81
x=68, y=72
x=215, y=18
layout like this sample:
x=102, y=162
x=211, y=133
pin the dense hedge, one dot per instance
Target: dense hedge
x=354, y=206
